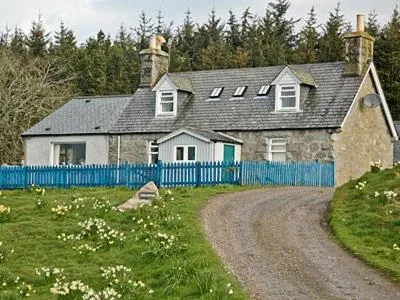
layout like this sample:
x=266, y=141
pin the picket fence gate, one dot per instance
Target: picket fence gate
x=133, y=176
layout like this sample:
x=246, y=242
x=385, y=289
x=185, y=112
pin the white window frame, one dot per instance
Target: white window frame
x=216, y=93
x=159, y=96
x=278, y=100
x=150, y=146
x=239, y=92
x=185, y=153
x=263, y=91
x=276, y=142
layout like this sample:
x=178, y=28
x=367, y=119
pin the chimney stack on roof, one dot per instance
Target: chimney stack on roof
x=359, y=50
x=154, y=62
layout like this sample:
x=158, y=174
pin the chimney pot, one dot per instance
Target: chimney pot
x=360, y=23
x=153, y=42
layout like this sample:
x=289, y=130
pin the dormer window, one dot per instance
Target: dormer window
x=216, y=92
x=166, y=103
x=239, y=92
x=263, y=90
x=288, y=97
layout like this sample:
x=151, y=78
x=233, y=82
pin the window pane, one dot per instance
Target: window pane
x=278, y=147
x=72, y=154
x=287, y=88
x=288, y=93
x=191, y=153
x=179, y=153
x=153, y=158
x=289, y=102
x=279, y=156
x=167, y=99
x=167, y=107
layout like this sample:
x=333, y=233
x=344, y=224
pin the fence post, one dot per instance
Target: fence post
x=198, y=174
x=159, y=171
x=25, y=176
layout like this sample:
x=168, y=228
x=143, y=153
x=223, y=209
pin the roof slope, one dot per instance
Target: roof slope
x=324, y=107
x=82, y=116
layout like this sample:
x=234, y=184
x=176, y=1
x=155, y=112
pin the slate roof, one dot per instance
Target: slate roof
x=304, y=76
x=323, y=107
x=213, y=136
x=182, y=83
x=82, y=116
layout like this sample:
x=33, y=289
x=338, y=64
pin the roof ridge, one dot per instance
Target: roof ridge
x=103, y=96
x=255, y=68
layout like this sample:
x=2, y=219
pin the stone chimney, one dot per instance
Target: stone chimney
x=359, y=50
x=154, y=62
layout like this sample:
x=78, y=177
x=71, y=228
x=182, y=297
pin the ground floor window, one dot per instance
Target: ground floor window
x=153, y=152
x=277, y=149
x=72, y=154
x=185, y=153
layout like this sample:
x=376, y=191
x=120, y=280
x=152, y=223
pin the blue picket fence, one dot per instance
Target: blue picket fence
x=170, y=174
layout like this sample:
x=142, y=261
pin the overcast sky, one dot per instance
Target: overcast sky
x=86, y=17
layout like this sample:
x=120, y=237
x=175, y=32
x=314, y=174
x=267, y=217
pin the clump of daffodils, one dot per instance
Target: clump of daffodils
x=4, y=213
x=396, y=247
x=49, y=274
x=361, y=185
x=25, y=290
x=98, y=227
x=4, y=252
x=390, y=195
x=61, y=209
x=376, y=166
x=85, y=249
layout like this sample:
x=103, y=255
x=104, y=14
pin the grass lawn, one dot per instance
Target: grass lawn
x=366, y=220
x=75, y=249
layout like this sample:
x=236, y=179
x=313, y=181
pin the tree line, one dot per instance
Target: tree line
x=105, y=65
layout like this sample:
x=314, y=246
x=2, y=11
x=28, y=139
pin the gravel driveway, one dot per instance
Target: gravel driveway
x=277, y=243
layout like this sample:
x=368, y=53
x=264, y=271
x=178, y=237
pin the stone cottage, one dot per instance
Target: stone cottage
x=326, y=111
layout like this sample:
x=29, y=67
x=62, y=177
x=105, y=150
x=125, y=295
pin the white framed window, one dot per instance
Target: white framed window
x=277, y=149
x=288, y=97
x=239, y=92
x=152, y=152
x=185, y=153
x=263, y=91
x=69, y=153
x=166, y=103
x=216, y=92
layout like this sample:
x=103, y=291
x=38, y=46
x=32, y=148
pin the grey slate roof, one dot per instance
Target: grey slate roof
x=182, y=83
x=82, y=116
x=304, y=76
x=213, y=136
x=324, y=107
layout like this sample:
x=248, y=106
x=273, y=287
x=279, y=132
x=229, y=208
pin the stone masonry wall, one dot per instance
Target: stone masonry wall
x=304, y=145
x=365, y=137
x=133, y=147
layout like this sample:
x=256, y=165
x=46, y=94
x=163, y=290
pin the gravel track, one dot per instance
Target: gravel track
x=276, y=241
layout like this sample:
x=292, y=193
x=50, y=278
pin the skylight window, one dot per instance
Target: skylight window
x=240, y=91
x=263, y=90
x=216, y=92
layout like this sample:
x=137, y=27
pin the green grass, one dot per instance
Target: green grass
x=369, y=226
x=188, y=269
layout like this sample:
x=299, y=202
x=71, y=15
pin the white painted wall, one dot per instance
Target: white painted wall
x=41, y=151
x=219, y=151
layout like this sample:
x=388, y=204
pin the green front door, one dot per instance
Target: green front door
x=229, y=153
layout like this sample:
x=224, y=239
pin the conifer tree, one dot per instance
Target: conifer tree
x=331, y=43
x=17, y=42
x=372, y=26
x=306, y=51
x=37, y=40
x=143, y=31
x=387, y=59
x=233, y=35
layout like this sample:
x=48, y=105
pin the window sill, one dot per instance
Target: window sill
x=260, y=97
x=213, y=99
x=286, y=111
x=236, y=98
x=165, y=115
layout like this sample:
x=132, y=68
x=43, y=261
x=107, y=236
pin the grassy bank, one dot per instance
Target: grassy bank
x=365, y=218
x=73, y=242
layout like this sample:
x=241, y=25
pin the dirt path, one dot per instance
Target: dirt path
x=276, y=241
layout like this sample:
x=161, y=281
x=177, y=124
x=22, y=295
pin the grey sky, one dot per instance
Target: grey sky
x=86, y=17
